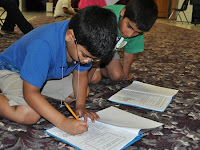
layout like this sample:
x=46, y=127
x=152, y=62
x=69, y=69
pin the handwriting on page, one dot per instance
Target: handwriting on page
x=118, y=130
x=98, y=135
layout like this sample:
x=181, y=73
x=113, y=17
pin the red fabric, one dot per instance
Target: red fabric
x=84, y=3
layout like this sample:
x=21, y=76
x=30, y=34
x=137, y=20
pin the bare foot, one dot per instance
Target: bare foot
x=130, y=76
x=70, y=98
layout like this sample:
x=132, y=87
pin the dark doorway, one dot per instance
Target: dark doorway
x=36, y=5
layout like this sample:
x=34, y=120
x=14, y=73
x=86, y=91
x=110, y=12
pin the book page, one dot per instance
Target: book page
x=121, y=118
x=106, y=136
x=148, y=101
x=147, y=88
x=99, y=136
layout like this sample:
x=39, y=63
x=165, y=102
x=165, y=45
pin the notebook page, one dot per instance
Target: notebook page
x=148, y=101
x=147, y=88
x=98, y=136
x=121, y=118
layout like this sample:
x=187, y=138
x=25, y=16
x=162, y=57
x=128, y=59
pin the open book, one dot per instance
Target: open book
x=145, y=96
x=115, y=130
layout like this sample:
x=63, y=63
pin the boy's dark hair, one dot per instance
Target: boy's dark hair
x=142, y=12
x=95, y=28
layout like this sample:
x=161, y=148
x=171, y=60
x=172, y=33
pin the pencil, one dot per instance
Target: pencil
x=71, y=111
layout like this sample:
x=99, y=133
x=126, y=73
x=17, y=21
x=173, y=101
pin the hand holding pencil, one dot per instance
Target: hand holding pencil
x=71, y=111
x=75, y=126
x=83, y=112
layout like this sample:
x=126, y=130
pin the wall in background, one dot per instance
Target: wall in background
x=164, y=7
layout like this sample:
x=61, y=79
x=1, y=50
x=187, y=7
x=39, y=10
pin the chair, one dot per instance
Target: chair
x=182, y=9
x=1, y=18
x=2, y=21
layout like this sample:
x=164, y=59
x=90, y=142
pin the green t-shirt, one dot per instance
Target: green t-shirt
x=134, y=44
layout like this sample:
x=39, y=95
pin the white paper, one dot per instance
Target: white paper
x=151, y=89
x=145, y=96
x=99, y=136
x=120, y=118
x=105, y=135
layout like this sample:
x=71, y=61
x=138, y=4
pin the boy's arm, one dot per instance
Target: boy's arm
x=80, y=85
x=67, y=11
x=40, y=105
x=127, y=62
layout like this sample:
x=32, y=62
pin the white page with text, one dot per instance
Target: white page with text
x=148, y=88
x=116, y=133
x=146, y=96
x=120, y=118
x=99, y=136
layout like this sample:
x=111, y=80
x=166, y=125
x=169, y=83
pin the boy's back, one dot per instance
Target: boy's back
x=46, y=51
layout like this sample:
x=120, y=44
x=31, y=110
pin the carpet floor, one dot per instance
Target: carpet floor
x=171, y=59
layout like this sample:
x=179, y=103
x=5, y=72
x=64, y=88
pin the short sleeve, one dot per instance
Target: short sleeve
x=36, y=63
x=135, y=44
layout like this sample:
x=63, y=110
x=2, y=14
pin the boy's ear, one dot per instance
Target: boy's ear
x=69, y=35
x=122, y=12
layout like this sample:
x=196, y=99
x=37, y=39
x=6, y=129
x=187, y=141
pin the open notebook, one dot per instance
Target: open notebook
x=145, y=95
x=115, y=130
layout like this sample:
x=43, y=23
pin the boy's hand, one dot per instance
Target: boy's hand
x=73, y=126
x=85, y=113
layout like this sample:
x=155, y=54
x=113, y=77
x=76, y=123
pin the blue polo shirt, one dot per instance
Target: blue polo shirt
x=40, y=55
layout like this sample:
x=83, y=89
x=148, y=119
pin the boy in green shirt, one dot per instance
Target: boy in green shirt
x=137, y=17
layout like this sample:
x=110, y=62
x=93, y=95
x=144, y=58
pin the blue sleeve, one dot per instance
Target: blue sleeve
x=36, y=63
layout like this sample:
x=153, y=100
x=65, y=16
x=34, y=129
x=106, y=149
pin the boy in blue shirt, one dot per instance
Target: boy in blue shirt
x=53, y=51
x=137, y=17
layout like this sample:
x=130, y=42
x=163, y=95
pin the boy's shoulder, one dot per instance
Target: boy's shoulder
x=115, y=7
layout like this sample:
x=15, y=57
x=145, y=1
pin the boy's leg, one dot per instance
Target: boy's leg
x=20, y=114
x=12, y=103
x=113, y=70
x=60, y=89
x=94, y=75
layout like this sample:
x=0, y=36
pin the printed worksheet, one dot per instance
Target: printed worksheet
x=115, y=130
x=144, y=95
x=98, y=136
